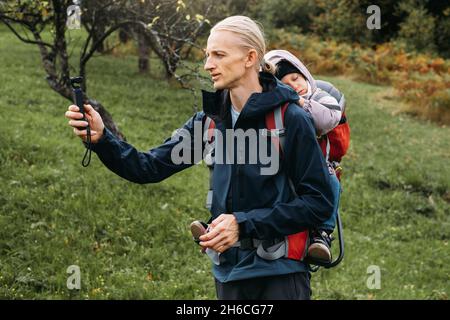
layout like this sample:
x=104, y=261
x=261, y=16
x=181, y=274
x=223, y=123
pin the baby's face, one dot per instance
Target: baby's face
x=297, y=82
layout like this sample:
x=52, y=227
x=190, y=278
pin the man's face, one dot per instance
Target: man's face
x=297, y=82
x=225, y=60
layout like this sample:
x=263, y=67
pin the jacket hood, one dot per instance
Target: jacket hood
x=217, y=104
x=276, y=56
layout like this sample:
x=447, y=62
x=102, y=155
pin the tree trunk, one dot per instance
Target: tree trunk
x=97, y=33
x=55, y=61
x=170, y=66
x=124, y=35
x=144, y=52
x=107, y=119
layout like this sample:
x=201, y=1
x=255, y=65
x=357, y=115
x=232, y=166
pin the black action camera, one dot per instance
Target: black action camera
x=78, y=96
x=79, y=101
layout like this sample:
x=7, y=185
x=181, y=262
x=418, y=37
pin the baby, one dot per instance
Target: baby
x=324, y=109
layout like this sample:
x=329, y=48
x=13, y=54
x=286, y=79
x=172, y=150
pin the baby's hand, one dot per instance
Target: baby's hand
x=301, y=101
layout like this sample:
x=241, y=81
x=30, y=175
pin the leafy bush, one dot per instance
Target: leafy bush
x=428, y=95
x=286, y=13
x=417, y=30
x=422, y=25
x=342, y=21
x=414, y=76
x=443, y=34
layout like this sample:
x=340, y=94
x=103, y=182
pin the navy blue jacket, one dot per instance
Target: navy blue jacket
x=264, y=205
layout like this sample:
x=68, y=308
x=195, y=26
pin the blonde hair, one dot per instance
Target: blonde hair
x=251, y=34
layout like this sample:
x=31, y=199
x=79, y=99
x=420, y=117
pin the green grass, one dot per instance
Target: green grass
x=132, y=241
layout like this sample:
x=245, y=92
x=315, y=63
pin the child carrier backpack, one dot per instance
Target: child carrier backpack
x=335, y=143
x=293, y=246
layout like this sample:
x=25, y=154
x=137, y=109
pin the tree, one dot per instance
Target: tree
x=285, y=13
x=172, y=27
x=165, y=26
x=28, y=20
x=342, y=20
x=417, y=31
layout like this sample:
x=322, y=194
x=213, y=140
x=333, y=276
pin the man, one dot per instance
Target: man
x=246, y=204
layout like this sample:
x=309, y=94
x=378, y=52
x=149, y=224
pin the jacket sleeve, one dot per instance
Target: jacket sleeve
x=309, y=174
x=325, y=111
x=158, y=163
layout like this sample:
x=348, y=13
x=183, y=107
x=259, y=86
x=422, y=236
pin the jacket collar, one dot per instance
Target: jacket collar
x=216, y=105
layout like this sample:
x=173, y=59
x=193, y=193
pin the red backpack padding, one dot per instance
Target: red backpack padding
x=339, y=139
x=297, y=244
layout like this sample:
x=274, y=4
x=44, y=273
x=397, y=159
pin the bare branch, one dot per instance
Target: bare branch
x=41, y=43
x=95, y=45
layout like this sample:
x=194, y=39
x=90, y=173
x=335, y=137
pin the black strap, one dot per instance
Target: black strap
x=87, y=154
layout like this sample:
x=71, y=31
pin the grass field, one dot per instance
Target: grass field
x=132, y=241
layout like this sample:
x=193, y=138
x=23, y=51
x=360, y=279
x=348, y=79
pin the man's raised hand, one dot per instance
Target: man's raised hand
x=95, y=122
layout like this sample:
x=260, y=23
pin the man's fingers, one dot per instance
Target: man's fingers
x=212, y=233
x=78, y=123
x=89, y=117
x=210, y=243
x=74, y=112
x=209, y=235
x=211, y=240
x=218, y=220
x=89, y=109
x=73, y=115
x=222, y=235
x=221, y=246
x=83, y=133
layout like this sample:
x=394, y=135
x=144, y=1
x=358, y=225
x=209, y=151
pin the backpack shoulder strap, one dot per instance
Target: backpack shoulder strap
x=275, y=126
x=208, y=130
x=208, y=139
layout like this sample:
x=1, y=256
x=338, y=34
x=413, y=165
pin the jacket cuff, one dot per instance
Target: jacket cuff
x=241, y=219
x=107, y=136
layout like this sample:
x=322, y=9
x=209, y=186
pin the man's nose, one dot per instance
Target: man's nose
x=208, y=65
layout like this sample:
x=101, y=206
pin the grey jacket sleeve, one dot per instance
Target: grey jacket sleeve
x=325, y=111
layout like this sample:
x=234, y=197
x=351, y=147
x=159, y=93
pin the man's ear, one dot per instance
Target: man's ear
x=252, y=58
